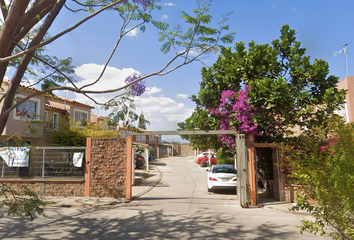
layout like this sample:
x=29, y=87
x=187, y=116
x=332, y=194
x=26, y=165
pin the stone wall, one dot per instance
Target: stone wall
x=108, y=167
x=49, y=188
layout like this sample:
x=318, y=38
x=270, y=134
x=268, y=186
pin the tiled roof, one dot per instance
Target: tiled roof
x=54, y=107
x=57, y=97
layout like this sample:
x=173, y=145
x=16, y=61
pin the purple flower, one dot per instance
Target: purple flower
x=137, y=88
x=145, y=3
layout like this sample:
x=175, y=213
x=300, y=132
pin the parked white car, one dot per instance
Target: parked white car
x=222, y=177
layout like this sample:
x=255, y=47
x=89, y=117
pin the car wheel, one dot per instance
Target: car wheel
x=209, y=190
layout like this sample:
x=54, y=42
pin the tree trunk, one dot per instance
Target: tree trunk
x=16, y=80
x=10, y=28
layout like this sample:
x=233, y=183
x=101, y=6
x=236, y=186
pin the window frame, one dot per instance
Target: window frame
x=45, y=116
x=38, y=107
x=80, y=111
x=55, y=125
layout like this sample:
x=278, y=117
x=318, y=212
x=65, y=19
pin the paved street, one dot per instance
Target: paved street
x=179, y=207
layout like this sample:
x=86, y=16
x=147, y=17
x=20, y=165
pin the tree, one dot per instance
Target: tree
x=22, y=17
x=70, y=134
x=24, y=26
x=284, y=87
x=142, y=121
x=321, y=162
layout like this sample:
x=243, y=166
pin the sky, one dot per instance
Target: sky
x=322, y=27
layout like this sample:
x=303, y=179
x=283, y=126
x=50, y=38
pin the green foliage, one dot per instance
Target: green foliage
x=225, y=157
x=74, y=135
x=322, y=161
x=198, y=121
x=142, y=121
x=22, y=204
x=199, y=36
x=285, y=86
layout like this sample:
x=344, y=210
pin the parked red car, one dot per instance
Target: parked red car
x=205, y=158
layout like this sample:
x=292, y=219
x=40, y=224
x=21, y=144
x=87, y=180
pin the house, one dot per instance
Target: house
x=101, y=120
x=52, y=111
x=347, y=111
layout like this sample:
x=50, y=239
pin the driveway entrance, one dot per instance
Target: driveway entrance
x=243, y=192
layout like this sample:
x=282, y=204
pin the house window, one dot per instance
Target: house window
x=143, y=137
x=150, y=137
x=122, y=134
x=127, y=134
x=28, y=109
x=55, y=120
x=154, y=137
x=46, y=116
x=80, y=116
x=137, y=137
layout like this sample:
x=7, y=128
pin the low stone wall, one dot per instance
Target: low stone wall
x=108, y=167
x=49, y=188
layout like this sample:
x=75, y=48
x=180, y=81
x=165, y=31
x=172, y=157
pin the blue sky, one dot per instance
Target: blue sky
x=322, y=27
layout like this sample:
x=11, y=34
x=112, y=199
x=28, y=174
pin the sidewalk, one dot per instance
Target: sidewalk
x=145, y=181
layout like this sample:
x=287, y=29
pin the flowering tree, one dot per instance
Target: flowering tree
x=24, y=26
x=234, y=112
x=23, y=37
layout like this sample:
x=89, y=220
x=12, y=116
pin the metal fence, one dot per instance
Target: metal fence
x=49, y=162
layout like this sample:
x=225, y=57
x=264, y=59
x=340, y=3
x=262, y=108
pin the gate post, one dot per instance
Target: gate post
x=242, y=171
x=128, y=186
x=252, y=176
x=88, y=167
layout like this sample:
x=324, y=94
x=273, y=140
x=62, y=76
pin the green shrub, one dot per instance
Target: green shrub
x=323, y=162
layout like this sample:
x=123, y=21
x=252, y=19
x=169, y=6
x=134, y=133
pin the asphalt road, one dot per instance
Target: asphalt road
x=179, y=207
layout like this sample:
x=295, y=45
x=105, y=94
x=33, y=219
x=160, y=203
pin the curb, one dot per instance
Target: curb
x=151, y=187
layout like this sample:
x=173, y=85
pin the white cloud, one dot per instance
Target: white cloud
x=181, y=95
x=275, y=6
x=160, y=108
x=111, y=79
x=163, y=17
x=294, y=9
x=170, y=4
x=133, y=33
x=163, y=112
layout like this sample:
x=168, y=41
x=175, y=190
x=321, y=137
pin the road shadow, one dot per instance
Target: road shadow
x=90, y=224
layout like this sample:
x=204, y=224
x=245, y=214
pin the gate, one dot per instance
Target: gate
x=243, y=193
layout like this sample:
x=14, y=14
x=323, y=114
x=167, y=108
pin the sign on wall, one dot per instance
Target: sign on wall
x=15, y=156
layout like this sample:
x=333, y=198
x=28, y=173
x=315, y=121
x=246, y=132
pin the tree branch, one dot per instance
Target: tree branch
x=31, y=49
x=3, y=9
x=122, y=34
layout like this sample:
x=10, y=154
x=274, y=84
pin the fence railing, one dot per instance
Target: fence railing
x=49, y=162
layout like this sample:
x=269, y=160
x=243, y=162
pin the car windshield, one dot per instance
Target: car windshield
x=224, y=170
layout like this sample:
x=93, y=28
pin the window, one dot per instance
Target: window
x=143, y=137
x=80, y=116
x=154, y=137
x=127, y=134
x=137, y=137
x=122, y=134
x=150, y=137
x=55, y=120
x=28, y=109
x=46, y=116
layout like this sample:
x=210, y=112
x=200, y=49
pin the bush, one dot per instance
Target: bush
x=323, y=162
x=225, y=157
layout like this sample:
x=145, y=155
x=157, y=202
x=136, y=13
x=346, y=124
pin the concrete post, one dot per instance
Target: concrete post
x=209, y=157
x=133, y=166
x=158, y=151
x=147, y=158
